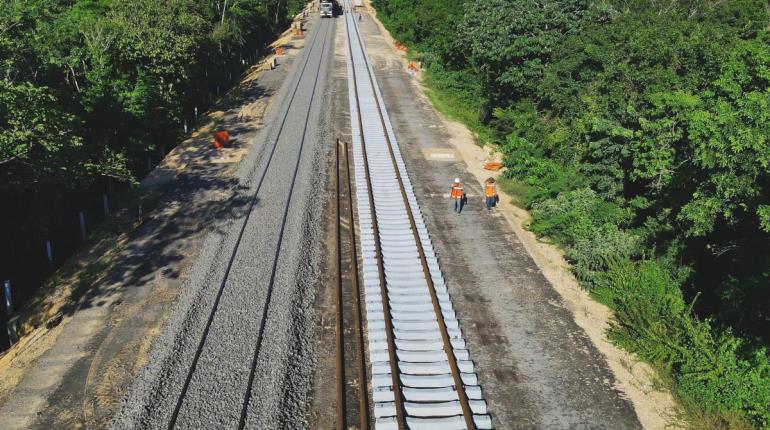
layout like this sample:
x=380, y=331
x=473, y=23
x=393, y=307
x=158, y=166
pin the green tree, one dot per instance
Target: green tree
x=510, y=43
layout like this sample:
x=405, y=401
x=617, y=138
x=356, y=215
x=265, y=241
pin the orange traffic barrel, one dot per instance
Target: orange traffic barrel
x=221, y=139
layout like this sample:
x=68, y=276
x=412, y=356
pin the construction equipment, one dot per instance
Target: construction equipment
x=327, y=9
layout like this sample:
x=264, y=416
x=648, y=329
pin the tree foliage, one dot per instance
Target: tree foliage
x=511, y=43
x=89, y=84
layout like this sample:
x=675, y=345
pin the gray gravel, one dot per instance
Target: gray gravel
x=284, y=362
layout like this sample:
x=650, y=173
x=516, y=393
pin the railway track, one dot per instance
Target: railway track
x=310, y=70
x=352, y=396
x=421, y=373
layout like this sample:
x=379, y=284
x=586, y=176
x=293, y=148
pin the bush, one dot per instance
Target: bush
x=718, y=372
x=589, y=256
x=711, y=368
x=648, y=310
x=545, y=177
x=576, y=216
x=588, y=229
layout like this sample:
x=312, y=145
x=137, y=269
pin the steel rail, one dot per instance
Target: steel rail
x=342, y=419
x=363, y=395
x=344, y=182
x=252, y=203
x=393, y=359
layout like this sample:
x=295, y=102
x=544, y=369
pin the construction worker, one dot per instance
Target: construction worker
x=457, y=194
x=490, y=192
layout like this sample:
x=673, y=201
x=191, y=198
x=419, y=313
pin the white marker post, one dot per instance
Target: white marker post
x=8, y=297
x=82, y=220
x=49, y=253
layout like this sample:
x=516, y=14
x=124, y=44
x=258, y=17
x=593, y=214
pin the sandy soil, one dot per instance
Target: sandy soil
x=655, y=409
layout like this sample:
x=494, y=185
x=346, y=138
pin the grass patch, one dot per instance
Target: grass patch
x=453, y=94
x=517, y=190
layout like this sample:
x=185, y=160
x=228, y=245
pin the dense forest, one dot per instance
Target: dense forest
x=637, y=133
x=94, y=92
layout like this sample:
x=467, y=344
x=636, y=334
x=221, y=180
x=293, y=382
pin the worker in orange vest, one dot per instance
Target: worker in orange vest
x=458, y=195
x=490, y=193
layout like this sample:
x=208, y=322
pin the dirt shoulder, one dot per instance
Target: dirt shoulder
x=89, y=330
x=509, y=283
x=320, y=414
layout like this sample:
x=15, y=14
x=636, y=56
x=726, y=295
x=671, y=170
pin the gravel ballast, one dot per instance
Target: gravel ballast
x=254, y=315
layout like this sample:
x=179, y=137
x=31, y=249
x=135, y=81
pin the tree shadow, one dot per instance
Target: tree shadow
x=194, y=195
x=189, y=207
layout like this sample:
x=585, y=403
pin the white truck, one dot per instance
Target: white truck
x=327, y=9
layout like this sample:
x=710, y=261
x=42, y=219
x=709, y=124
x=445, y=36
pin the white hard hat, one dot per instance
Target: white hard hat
x=457, y=179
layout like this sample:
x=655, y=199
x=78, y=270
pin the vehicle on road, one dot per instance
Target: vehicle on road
x=327, y=9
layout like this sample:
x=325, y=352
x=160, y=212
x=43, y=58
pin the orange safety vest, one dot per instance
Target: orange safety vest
x=457, y=190
x=490, y=190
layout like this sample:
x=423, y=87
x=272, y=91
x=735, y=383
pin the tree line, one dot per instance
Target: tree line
x=89, y=84
x=90, y=88
x=637, y=133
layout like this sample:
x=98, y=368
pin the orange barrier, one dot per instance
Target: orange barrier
x=400, y=47
x=493, y=166
x=221, y=139
x=279, y=50
x=413, y=66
